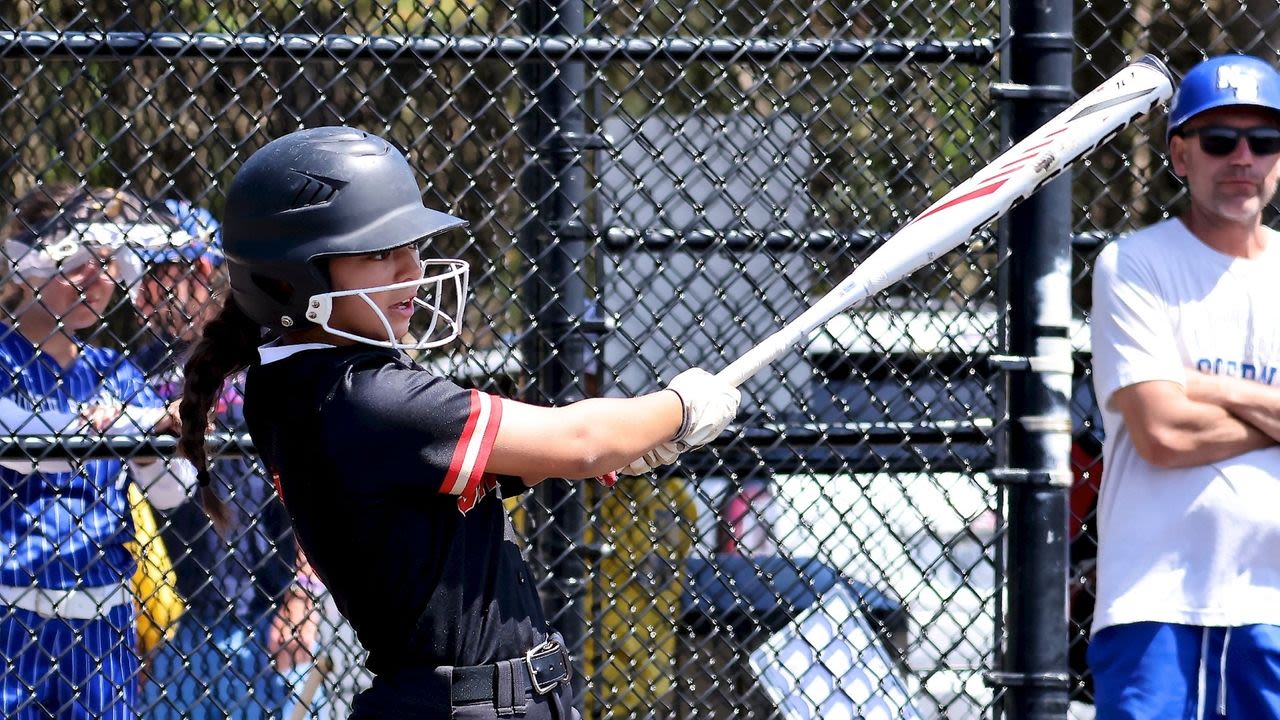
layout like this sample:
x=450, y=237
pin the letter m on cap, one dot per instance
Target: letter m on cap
x=1241, y=81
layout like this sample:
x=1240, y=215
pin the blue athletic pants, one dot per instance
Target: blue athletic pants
x=216, y=672
x=68, y=669
x=1153, y=670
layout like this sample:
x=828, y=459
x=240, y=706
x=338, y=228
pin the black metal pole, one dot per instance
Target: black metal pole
x=1035, y=672
x=554, y=243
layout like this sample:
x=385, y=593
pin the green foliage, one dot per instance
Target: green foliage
x=884, y=137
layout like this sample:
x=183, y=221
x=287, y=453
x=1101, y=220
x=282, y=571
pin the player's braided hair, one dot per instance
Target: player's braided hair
x=226, y=346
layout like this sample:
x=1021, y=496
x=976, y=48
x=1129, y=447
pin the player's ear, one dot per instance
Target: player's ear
x=1178, y=155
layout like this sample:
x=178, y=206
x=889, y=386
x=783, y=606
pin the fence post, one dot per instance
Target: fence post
x=553, y=239
x=1038, y=63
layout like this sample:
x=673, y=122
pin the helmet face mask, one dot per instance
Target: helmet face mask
x=317, y=194
x=441, y=292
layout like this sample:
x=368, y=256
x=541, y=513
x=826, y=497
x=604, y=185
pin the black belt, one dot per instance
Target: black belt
x=544, y=668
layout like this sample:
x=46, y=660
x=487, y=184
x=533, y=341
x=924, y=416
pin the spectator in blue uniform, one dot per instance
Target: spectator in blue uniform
x=67, y=633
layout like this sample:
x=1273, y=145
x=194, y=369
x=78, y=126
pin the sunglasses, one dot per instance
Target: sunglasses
x=1220, y=141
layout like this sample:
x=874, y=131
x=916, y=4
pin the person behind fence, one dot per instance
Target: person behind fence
x=239, y=632
x=67, y=630
x=394, y=477
x=1186, y=342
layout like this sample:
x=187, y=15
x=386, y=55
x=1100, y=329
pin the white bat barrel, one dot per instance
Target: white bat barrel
x=1010, y=178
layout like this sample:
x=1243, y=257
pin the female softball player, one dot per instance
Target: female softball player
x=392, y=476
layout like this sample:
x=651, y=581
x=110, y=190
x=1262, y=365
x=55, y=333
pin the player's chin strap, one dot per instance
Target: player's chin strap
x=443, y=326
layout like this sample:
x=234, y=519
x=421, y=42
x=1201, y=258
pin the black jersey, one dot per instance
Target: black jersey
x=381, y=467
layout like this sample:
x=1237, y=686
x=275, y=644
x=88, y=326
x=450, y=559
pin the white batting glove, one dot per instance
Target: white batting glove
x=664, y=454
x=709, y=405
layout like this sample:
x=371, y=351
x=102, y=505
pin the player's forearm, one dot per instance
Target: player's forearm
x=293, y=630
x=1252, y=402
x=583, y=440
x=1197, y=433
x=614, y=431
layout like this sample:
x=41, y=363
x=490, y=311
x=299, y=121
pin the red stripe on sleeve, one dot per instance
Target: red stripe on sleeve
x=275, y=480
x=475, y=488
x=450, y=482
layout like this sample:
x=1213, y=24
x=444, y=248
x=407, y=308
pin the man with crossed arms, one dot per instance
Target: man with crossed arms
x=1186, y=345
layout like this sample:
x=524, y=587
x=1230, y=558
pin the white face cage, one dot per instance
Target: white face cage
x=442, y=327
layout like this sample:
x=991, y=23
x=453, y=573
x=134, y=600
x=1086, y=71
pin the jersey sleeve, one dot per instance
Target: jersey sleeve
x=125, y=383
x=10, y=369
x=18, y=418
x=129, y=385
x=413, y=430
x=1131, y=328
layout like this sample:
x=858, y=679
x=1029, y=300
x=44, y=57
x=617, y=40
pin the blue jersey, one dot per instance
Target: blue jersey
x=66, y=529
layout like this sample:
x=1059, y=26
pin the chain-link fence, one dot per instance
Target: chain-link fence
x=650, y=186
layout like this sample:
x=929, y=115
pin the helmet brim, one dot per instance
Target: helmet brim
x=393, y=231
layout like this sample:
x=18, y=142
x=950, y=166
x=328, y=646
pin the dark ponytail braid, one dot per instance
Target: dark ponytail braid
x=227, y=345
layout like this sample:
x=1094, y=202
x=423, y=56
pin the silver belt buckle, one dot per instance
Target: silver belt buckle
x=533, y=674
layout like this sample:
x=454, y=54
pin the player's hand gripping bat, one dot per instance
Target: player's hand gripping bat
x=1010, y=178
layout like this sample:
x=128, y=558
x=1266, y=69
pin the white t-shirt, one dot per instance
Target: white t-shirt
x=1200, y=545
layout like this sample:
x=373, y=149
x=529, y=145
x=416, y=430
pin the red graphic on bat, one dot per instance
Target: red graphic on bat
x=991, y=187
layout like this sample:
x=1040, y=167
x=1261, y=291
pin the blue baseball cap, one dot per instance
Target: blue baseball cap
x=205, y=235
x=1225, y=81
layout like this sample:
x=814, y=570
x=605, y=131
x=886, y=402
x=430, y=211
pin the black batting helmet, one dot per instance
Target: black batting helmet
x=309, y=195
